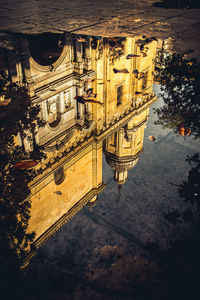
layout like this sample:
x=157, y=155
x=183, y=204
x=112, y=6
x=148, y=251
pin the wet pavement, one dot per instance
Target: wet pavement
x=104, y=249
x=104, y=18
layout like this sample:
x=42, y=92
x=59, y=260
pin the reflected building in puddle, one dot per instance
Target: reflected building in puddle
x=123, y=147
x=117, y=75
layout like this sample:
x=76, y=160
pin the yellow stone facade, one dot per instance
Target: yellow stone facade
x=71, y=176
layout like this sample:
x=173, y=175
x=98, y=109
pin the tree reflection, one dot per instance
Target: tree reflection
x=115, y=275
x=180, y=90
x=19, y=116
x=189, y=191
x=180, y=263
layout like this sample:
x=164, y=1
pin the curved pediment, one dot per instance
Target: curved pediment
x=60, y=142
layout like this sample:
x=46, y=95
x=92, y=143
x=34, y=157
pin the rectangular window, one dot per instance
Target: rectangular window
x=144, y=80
x=59, y=175
x=119, y=95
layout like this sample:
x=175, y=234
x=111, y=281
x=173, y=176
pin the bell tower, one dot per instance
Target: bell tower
x=123, y=147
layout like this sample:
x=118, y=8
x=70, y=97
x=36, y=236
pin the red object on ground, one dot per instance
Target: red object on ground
x=25, y=164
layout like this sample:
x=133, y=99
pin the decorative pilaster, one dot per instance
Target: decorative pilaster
x=44, y=111
x=120, y=141
x=37, y=140
x=88, y=114
x=78, y=51
x=19, y=72
x=81, y=113
x=88, y=54
x=61, y=103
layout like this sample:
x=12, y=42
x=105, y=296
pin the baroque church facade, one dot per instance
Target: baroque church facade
x=120, y=73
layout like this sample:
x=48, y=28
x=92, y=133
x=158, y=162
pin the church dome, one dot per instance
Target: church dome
x=122, y=163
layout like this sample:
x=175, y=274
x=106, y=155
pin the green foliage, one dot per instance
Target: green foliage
x=18, y=117
x=180, y=90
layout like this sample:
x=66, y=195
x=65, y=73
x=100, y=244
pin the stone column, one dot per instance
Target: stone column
x=19, y=72
x=88, y=114
x=88, y=54
x=80, y=106
x=133, y=138
x=19, y=140
x=61, y=103
x=37, y=140
x=78, y=52
x=88, y=108
x=25, y=61
x=121, y=176
x=27, y=145
x=44, y=111
x=87, y=50
x=81, y=91
x=120, y=141
x=72, y=95
x=97, y=165
x=81, y=112
x=67, y=96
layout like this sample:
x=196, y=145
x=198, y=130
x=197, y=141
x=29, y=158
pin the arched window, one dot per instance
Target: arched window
x=59, y=176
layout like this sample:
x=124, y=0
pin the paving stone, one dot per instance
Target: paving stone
x=183, y=20
x=193, y=13
x=108, y=17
